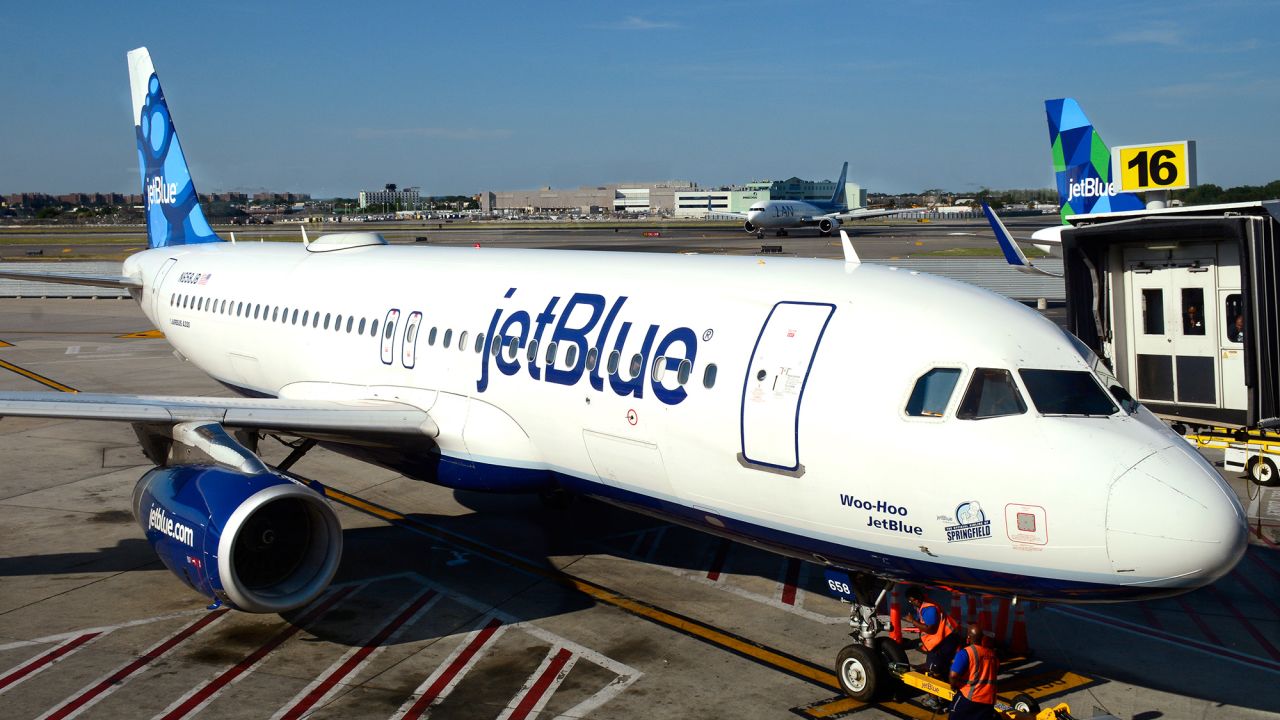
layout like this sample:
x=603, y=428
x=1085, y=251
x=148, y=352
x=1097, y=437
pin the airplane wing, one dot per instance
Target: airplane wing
x=375, y=417
x=862, y=214
x=110, y=281
x=1012, y=253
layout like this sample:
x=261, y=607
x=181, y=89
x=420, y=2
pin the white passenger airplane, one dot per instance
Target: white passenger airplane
x=783, y=215
x=899, y=426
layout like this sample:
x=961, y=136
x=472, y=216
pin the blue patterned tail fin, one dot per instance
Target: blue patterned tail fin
x=838, y=197
x=173, y=209
x=1082, y=164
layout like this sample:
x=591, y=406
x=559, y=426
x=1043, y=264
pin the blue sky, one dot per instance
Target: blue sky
x=330, y=97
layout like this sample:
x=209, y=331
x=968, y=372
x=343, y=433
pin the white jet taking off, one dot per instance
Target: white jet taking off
x=771, y=402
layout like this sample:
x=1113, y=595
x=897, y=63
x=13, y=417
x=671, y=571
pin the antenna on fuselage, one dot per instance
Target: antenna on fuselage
x=850, y=255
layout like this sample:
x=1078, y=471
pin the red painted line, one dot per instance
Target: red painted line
x=1223, y=600
x=358, y=657
x=1149, y=616
x=42, y=661
x=1135, y=628
x=214, y=686
x=540, y=685
x=717, y=562
x=789, y=584
x=429, y=696
x=1200, y=623
x=119, y=676
x=1258, y=531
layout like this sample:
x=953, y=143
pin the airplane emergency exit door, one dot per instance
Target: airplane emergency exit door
x=774, y=386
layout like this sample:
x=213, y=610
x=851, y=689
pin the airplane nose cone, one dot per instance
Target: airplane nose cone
x=1172, y=522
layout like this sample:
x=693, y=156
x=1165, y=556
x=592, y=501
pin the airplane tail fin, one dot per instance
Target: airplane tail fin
x=1082, y=164
x=173, y=209
x=838, y=197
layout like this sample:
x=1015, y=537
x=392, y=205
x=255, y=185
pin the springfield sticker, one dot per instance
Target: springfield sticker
x=971, y=523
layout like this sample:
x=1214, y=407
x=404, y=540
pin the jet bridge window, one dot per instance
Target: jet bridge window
x=1192, y=311
x=1233, y=311
x=991, y=393
x=1067, y=392
x=933, y=392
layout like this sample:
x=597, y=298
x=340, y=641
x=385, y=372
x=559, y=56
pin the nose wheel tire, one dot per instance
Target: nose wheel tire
x=1263, y=472
x=860, y=671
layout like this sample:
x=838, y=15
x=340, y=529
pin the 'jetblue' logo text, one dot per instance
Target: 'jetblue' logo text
x=158, y=520
x=586, y=330
x=1091, y=187
x=160, y=192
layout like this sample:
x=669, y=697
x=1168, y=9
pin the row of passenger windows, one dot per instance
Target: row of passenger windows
x=277, y=314
x=992, y=392
x=258, y=311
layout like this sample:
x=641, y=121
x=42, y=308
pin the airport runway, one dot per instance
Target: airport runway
x=875, y=241
x=475, y=606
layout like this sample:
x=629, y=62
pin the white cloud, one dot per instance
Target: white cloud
x=634, y=22
x=434, y=132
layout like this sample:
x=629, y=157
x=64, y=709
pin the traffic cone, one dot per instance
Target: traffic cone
x=1002, y=623
x=971, y=609
x=1019, y=644
x=895, y=616
x=955, y=607
x=984, y=621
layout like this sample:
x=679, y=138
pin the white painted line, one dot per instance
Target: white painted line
x=455, y=667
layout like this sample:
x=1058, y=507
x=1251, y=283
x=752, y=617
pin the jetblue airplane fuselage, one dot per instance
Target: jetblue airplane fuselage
x=763, y=400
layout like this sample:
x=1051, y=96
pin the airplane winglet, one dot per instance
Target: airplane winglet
x=1012, y=253
x=305, y=240
x=850, y=255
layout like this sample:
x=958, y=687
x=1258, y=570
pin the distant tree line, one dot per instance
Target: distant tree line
x=1210, y=194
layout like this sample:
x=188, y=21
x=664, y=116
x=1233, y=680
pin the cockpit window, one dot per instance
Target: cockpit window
x=1067, y=392
x=991, y=393
x=932, y=392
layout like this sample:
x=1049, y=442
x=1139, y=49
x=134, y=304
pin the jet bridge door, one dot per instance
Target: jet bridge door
x=774, y=386
x=1174, y=330
x=1260, y=284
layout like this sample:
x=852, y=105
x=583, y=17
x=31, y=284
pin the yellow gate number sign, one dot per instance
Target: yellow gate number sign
x=1158, y=166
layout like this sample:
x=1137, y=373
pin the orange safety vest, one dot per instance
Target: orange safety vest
x=983, y=668
x=946, y=626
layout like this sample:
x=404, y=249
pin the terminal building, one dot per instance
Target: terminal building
x=628, y=198
x=677, y=198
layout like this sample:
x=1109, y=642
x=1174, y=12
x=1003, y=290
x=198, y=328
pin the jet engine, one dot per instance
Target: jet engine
x=748, y=226
x=826, y=225
x=257, y=542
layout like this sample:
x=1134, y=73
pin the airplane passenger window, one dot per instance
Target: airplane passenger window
x=532, y=353
x=991, y=393
x=684, y=371
x=200, y=304
x=408, y=336
x=709, y=376
x=275, y=314
x=305, y=316
x=462, y=341
x=373, y=328
x=495, y=347
x=513, y=345
x=327, y=317
x=172, y=297
x=659, y=369
x=593, y=355
x=337, y=324
x=932, y=392
x=637, y=365
x=256, y=309
x=360, y=327
x=448, y=337
x=1066, y=392
x=315, y=320
x=479, y=342
x=612, y=365
x=295, y=317
x=431, y=337
x=224, y=306
x=350, y=322
x=551, y=354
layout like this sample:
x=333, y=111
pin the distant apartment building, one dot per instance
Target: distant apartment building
x=391, y=196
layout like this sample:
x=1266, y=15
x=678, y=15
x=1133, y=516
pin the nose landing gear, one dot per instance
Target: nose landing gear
x=863, y=667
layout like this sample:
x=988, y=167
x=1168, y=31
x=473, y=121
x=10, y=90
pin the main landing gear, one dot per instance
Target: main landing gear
x=863, y=667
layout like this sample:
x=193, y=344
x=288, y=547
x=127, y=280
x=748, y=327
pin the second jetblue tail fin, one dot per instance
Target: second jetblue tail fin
x=1082, y=163
x=838, y=200
x=173, y=209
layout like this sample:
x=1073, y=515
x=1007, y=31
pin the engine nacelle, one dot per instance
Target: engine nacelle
x=826, y=225
x=748, y=226
x=259, y=543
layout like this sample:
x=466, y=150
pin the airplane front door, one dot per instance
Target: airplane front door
x=774, y=386
x=1174, y=332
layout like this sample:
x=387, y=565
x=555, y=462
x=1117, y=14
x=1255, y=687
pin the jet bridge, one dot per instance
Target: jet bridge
x=1184, y=305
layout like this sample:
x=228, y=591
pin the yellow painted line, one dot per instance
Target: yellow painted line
x=834, y=707
x=1039, y=685
x=37, y=377
x=764, y=655
x=5, y=344
x=144, y=335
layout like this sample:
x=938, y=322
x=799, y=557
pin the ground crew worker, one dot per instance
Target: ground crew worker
x=939, y=632
x=973, y=676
